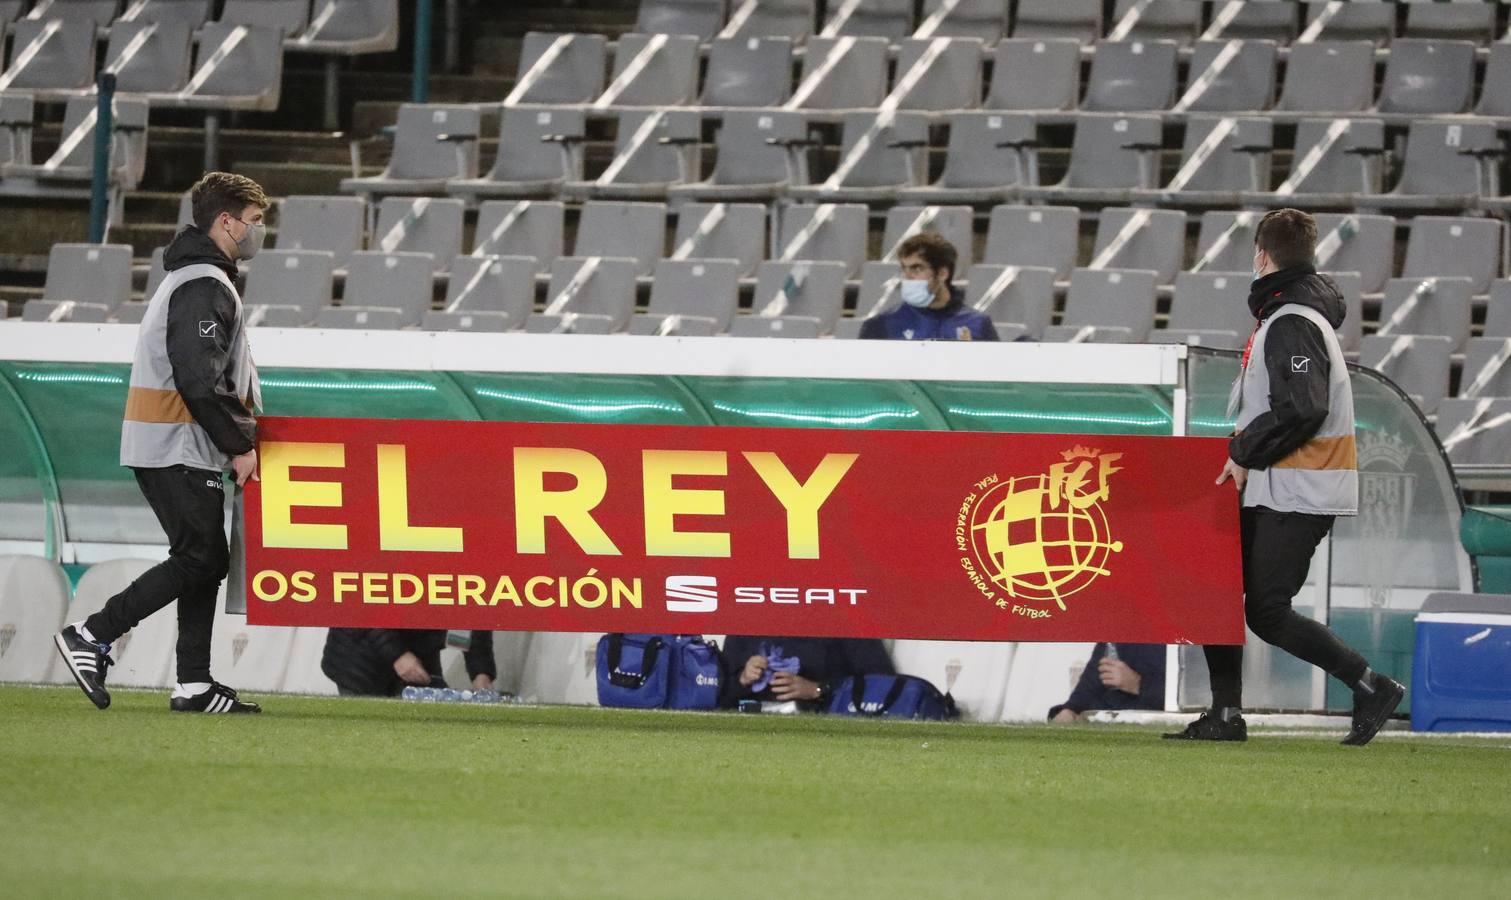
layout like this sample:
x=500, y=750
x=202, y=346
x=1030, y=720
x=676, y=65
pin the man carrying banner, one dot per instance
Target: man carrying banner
x=189, y=417
x=1293, y=460
x=933, y=309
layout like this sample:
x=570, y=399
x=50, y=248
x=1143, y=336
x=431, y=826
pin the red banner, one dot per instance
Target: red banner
x=671, y=529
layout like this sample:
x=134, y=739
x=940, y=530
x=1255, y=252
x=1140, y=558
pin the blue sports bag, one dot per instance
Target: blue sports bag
x=658, y=671
x=892, y=697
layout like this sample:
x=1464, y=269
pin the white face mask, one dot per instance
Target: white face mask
x=916, y=292
x=251, y=240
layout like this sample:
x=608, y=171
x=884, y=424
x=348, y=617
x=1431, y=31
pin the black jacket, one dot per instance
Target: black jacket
x=1148, y=660
x=200, y=361
x=1298, y=400
x=824, y=660
x=360, y=660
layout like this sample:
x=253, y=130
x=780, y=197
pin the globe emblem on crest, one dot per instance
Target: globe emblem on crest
x=1042, y=538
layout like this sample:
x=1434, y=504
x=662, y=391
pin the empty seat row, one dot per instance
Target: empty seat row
x=67, y=172
x=1083, y=20
x=335, y=27
x=1449, y=163
x=1420, y=77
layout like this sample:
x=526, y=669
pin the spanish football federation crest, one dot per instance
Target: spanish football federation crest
x=1029, y=542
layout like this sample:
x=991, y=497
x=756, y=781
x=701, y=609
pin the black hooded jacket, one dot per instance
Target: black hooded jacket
x=199, y=351
x=1298, y=399
x=360, y=660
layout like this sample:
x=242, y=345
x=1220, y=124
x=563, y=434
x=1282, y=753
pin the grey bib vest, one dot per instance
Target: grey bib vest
x=159, y=430
x=1321, y=476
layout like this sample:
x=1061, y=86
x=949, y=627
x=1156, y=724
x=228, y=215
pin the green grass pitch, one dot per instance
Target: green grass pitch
x=374, y=798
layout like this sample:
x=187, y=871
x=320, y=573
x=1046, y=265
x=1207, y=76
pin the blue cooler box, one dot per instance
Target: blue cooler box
x=1461, y=675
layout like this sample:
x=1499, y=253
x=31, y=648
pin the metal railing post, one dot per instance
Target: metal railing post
x=104, y=136
x=420, y=88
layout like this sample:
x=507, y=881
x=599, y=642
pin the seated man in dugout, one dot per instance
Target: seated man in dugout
x=381, y=662
x=1118, y=676
x=801, y=670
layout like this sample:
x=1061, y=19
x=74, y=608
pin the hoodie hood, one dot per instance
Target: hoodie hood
x=192, y=247
x=1300, y=285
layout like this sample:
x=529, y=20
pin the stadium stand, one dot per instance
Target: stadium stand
x=486, y=293
x=85, y=283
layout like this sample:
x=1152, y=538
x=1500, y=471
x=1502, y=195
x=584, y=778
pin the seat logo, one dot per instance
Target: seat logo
x=692, y=593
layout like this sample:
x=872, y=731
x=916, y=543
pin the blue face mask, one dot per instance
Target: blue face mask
x=916, y=292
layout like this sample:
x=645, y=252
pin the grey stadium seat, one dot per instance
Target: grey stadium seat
x=691, y=297
x=1487, y=368
x=748, y=72
x=700, y=18
x=427, y=225
x=982, y=19
x=1131, y=76
x=159, y=60
x=85, y=283
x=879, y=283
x=876, y=159
x=1417, y=363
x=1498, y=313
x=289, y=16
x=288, y=287
x=828, y=231
x=1023, y=297
x=1373, y=22
x=731, y=231
x=951, y=81
x=1367, y=246
x=10, y=10
x=588, y=295
x=1157, y=20
x=794, y=299
x=635, y=231
x=1428, y=78
x=1349, y=164
x=383, y=290
x=1107, y=306
x=351, y=27
x=1475, y=432
x=560, y=69
x=1267, y=21
x=1225, y=243
x=791, y=19
x=1034, y=236
x=34, y=596
x=1209, y=176
x=1329, y=76
x=236, y=67
x=1210, y=309
x=653, y=150
x=856, y=80
x=1449, y=246
x=1105, y=163
x=1495, y=87
x=485, y=293
x=1035, y=74
x=1451, y=21
x=528, y=165
x=522, y=228
x=1157, y=243
x=99, y=12
x=55, y=55
x=952, y=222
x=193, y=13
x=652, y=70
x=890, y=19
x=1351, y=331
x=1080, y=20
x=747, y=165
x=988, y=158
x=1244, y=82
x=155, y=273
x=332, y=224
x=1426, y=306
x=1438, y=172
x=424, y=158
x=16, y=112
x=71, y=167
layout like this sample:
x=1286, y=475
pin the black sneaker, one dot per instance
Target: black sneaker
x=1372, y=710
x=1209, y=726
x=88, y=662
x=218, y=699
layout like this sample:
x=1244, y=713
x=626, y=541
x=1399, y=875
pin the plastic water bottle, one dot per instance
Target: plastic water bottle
x=429, y=694
x=450, y=695
x=411, y=693
x=486, y=696
x=1112, y=652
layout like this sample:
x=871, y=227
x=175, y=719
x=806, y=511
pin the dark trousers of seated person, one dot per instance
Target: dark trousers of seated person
x=190, y=505
x=1277, y=553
